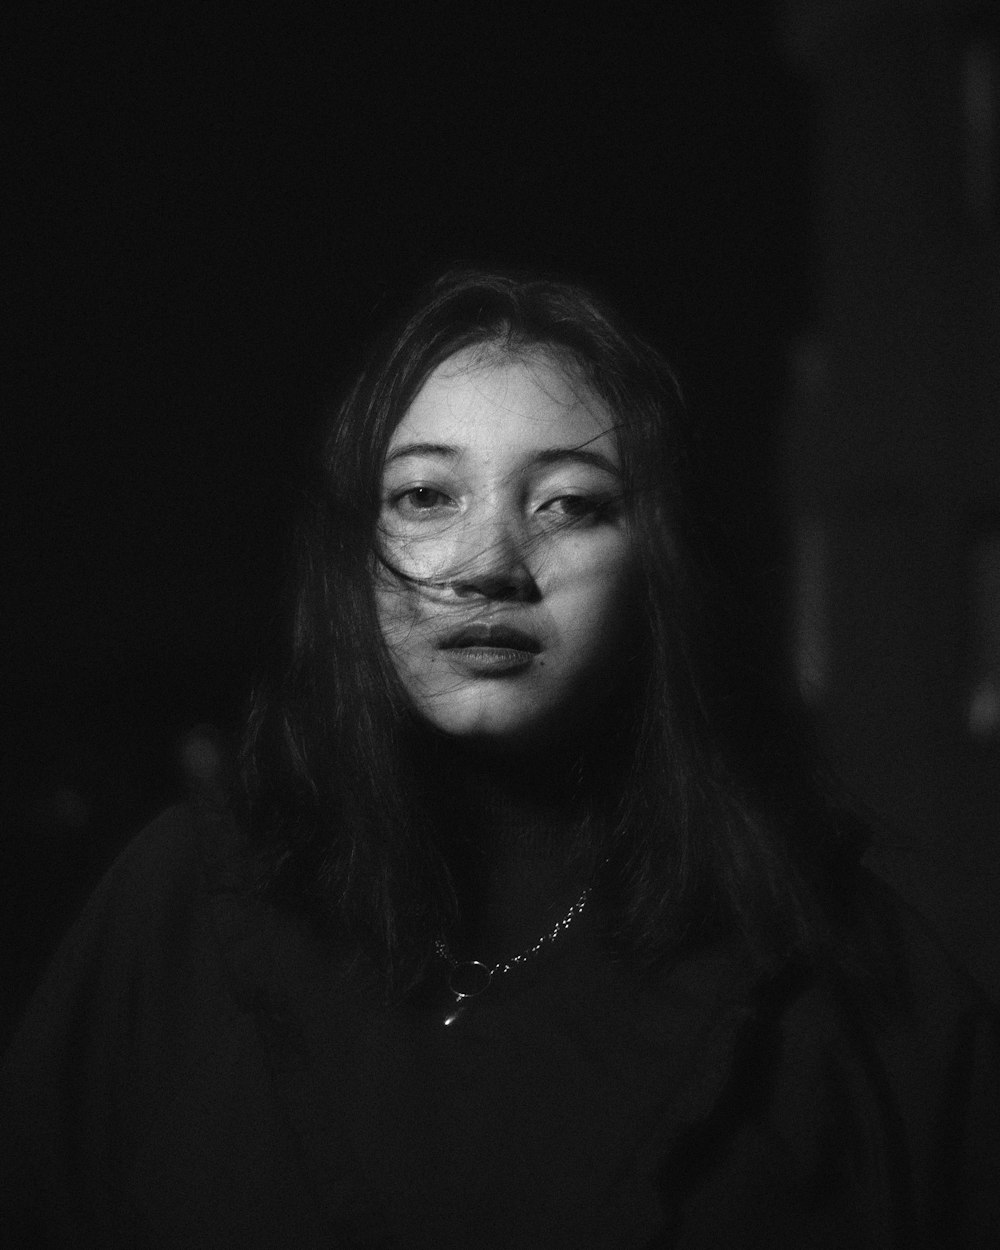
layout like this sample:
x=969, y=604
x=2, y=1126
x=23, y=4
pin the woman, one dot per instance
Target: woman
x=515, y=937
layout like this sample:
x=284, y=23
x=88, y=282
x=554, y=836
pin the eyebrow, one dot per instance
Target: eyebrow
x=441, y=450
x=549, y=456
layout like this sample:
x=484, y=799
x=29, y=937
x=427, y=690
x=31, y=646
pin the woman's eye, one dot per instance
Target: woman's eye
x=421, y=499
x=575, y=507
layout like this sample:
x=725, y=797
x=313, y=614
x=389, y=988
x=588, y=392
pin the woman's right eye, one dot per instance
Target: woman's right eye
x=419, y=499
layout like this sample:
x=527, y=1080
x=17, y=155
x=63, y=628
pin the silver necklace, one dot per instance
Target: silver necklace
x=469, y=978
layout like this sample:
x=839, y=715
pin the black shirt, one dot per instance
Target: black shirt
x=199, y=1069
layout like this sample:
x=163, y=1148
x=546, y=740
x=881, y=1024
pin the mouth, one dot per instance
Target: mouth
x=490, y=637
x=490, y=650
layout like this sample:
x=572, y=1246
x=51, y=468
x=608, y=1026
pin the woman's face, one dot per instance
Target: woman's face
x=508, y=587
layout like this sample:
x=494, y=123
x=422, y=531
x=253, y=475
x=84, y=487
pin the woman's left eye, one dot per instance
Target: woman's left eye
x=574, y=507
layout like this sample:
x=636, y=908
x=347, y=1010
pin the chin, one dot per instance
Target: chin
x=501, y=727
x=482, y=718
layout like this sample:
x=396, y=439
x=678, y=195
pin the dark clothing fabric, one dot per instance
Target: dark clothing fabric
x=199, y=1070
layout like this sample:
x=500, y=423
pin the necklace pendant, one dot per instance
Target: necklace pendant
x=456, y=1012
x=466, y=981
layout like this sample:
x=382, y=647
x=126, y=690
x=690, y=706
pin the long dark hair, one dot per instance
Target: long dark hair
x=717, y=827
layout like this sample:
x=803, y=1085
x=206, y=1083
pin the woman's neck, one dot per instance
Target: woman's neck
x=519, y=833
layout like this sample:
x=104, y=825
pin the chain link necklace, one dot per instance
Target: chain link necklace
x=469, y=978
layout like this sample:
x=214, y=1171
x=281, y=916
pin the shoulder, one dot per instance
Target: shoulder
x=935, y=1034
x=890, y=993
x=161, y=877
x=905, y=959
x=173, y=850
x=911, y=1043
x=862, y=1093
x=137, y=1015
x=147, y=930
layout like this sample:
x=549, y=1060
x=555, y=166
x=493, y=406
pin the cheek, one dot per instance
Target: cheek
x=602, y=581
x=395, y=610
x=599, y=607
x=614, y=610
x=422, y=557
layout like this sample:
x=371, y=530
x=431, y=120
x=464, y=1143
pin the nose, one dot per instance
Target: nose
x=494, y=565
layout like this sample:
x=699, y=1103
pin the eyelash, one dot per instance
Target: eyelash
x=581, y=507
x=399, y=499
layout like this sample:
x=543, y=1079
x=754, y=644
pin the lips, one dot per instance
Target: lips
x=502, y=637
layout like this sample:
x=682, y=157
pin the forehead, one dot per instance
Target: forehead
x=511, y=403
